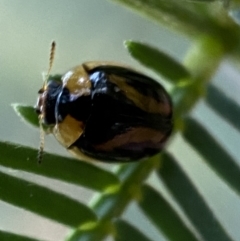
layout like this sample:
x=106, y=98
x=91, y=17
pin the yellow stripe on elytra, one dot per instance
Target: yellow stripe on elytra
x=146, y=103
x=68, y=131
x=77, y=81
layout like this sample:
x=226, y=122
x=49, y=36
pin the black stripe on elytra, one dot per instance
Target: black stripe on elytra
x=103, y=127
x=124, y=153
x=108, y=98
x=103, y=87
x=142, y=83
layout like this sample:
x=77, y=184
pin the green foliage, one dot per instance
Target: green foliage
x=57, y=167
x=215, y=156
x=164, y=216
x=215, y=35
x=158, y=61
x=5, y=236
x=44, y=201
x=125, y=232
x=190, y=199
x=223, y=105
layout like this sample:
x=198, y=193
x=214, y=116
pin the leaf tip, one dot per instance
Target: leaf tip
x=128, y=44
x=27, y=113
x=17, y=108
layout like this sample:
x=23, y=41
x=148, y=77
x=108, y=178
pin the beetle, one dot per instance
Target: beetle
x=105, y=111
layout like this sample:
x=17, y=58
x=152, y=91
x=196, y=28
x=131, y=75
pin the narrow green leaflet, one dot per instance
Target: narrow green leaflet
x=126, y=232
x=43, y=201
x=204, y=1
x=57, y=167
x=157, y=61
x=6, y=236
x=224, y=106
x=176, y=14
x=225, y=3
x=164, y=216
x=191, y=201
x=214, y=154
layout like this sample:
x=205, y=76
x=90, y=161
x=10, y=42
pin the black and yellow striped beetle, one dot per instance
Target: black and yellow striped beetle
x=106, y=112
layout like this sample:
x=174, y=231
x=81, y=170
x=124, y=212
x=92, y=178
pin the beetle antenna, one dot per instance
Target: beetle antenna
x=51, y=59
x=42, y=134
x=41, y=146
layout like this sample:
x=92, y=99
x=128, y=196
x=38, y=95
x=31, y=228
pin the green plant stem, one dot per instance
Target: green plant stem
x=202, y=61
x=129, y=190
x=111, y=205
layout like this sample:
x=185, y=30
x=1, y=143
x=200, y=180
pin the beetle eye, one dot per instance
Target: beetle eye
x=37, y=110
x=40, y=91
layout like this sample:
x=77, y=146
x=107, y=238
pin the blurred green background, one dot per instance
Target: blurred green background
x=95, y=30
